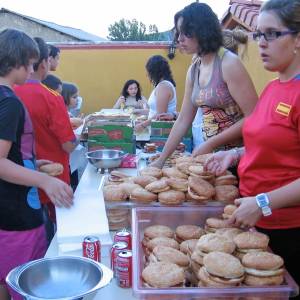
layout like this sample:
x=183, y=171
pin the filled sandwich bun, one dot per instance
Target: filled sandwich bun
x=226, y=193
x=162, y=241
x=154, y=231
x=114, y=193
x=263, y=268
x=251, y=241
x=128, y=187
x=230, y=233
x=178, y=184
x=151, y=171
x=117, y=176
x=213, y=242
x=228, y=211
x=141, y=195
x=184, y=167
x=198, y=171
x=188, y=246
x=167, y=254
x=227, y=179
x=188, y=232
x=173, y=172
x=199, y=189
x=221, y=269
x=171, y=197
x=157, y=186
x=52, y=169
x=163, y=275
x=212, y=224
x=144, y=180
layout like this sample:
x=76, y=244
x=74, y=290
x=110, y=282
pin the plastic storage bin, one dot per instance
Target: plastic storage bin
x=143, y=217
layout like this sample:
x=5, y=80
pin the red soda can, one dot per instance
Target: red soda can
x=124, y=269
x=123, y=236
x=116, y=248
x=91, y=248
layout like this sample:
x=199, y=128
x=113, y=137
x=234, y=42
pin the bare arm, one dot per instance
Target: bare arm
x=59, y=192
x=243, y=92
x=119, y=101
x=71, y=145
x=182, y=124
x=164, y=94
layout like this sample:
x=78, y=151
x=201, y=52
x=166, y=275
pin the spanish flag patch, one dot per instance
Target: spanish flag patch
x=283, y=109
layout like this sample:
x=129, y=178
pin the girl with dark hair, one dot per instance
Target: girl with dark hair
x=269, y=164
x=217, y=83
x=163, y=98
x=131, y=97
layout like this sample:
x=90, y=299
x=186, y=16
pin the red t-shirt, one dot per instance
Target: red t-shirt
x=51, y=124
x=272, y=143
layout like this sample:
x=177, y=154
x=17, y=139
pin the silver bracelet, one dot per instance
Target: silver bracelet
x=237, y=156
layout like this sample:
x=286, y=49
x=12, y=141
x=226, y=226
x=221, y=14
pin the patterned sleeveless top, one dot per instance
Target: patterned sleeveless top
x=219, y=109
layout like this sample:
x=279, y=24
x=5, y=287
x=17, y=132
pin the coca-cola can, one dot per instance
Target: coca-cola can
x=123, y=236
x=114, y=251
x=91, y=248
x=124, y=269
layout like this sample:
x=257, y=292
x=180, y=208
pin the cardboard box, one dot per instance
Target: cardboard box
x=111, y=133
x=163, y=129
x=126, y=147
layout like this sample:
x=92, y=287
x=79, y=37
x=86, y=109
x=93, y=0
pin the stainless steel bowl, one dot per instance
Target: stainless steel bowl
x=105, y=159
x=59, y=278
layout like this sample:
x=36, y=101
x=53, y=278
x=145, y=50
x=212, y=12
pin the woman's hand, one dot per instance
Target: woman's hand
x=158, y=163
x=219, y=162
x=247, y=213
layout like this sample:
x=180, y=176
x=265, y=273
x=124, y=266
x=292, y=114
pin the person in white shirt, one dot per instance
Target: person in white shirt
x=163, y=98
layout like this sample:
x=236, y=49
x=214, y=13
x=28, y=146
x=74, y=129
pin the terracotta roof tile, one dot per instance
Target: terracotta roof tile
x=243, y=12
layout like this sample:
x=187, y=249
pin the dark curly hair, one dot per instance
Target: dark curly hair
x=201, y=23
x=158, y=69
x=125, y=93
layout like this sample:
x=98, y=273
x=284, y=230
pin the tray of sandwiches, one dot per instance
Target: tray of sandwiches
x=193, y=253
x=182, y=182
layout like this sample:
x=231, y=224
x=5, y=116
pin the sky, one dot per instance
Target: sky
x=95, y=16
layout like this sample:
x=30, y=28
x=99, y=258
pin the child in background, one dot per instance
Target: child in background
x=70, y=94
x=53, y=82
x=131, y=97
x=54, y=56
x=22, y=233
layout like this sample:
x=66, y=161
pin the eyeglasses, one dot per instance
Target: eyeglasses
x=271, y=35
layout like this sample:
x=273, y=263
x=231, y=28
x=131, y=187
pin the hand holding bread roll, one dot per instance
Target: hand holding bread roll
x=52, y=169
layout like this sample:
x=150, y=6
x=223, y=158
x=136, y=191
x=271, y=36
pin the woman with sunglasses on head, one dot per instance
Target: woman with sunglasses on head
x=269, y=164
x=216, y=82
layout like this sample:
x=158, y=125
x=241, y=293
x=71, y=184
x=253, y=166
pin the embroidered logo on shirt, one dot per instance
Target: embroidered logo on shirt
x=283, y=109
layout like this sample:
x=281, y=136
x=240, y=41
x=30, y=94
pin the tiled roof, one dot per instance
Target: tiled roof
x=242, y=12
x=73, y=32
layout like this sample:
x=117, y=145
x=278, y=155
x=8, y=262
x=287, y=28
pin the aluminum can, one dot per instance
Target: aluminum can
x=91, y=248
x=124, y=269
x=114, y=251
x=124, y=236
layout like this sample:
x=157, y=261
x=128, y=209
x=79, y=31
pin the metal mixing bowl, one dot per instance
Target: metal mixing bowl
x=106, y=158
x=59, y=278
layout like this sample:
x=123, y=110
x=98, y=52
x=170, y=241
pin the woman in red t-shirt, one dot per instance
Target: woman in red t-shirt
x=269, y=164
